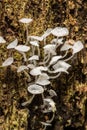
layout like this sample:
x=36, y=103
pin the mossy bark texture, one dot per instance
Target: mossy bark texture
x=71, y=101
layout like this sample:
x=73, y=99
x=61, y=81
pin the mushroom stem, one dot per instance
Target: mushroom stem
x=45, y=61
x=26, y=34
x=56, y=40
x=44, y=41
x=28, y=102
x=65, y=54
x=33, y=50
x=44, y=127
x=38, y=51
x=56, y=76
x=42, y=97
x=27, y=75
x=24, y=56
x=69, y=58
x=52, y=118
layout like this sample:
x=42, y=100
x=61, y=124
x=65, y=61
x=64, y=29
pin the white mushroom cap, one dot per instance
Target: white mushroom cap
x=34, y=43
x=55, y=59
x=60, y=31
x=47, y=33
x=66, y=47
x=61, y=64
x=43, y=79
x=34, y=57
x=78, y=46
x=35, y=89
x=13, y=44
x=25, y=20
x=50, y=48
x=8, y=62
x=2, y=40
x=37, y=70
x=36, y=38
x=22, y=48
x=21, y=68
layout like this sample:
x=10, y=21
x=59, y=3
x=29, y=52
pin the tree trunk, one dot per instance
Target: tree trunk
x=71, y=89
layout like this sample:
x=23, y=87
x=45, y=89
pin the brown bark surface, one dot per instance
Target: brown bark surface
x=71, y=101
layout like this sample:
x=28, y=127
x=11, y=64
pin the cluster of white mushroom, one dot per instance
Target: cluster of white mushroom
x=52, y=64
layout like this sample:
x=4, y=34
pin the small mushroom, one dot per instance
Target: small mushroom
x=78, y=46
x=34, y=43
x=25, y=20
x=34, y=57
x=58, y=41
x=22, y=48
x=35, y=89
x=54, y=59
x=2, y=40
x=50, y=48
x=22, y=68
x=50, y=103
x=37, y=70
x=35, y=38
x=8, y=61
x=13, y=44
x=61, y=64
x=60, y=31
x=66, y=47
x=43, y=79
x=47, y=33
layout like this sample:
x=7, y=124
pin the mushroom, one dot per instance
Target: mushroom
x=43, y=79
x=34, y=89
x=60, y=31
x=54, y=59
x=35, y=44
x=45, y=124
x=50, y=48
x=26, y=21
x=57, y=41
x=46, y=33
x=22, y=48
x=61, y=64
x=8, y=61
x=34, y=57
x=2, y=40
x=22, y=68
x=37, y=70
x=13, y=44
x=78, y=46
